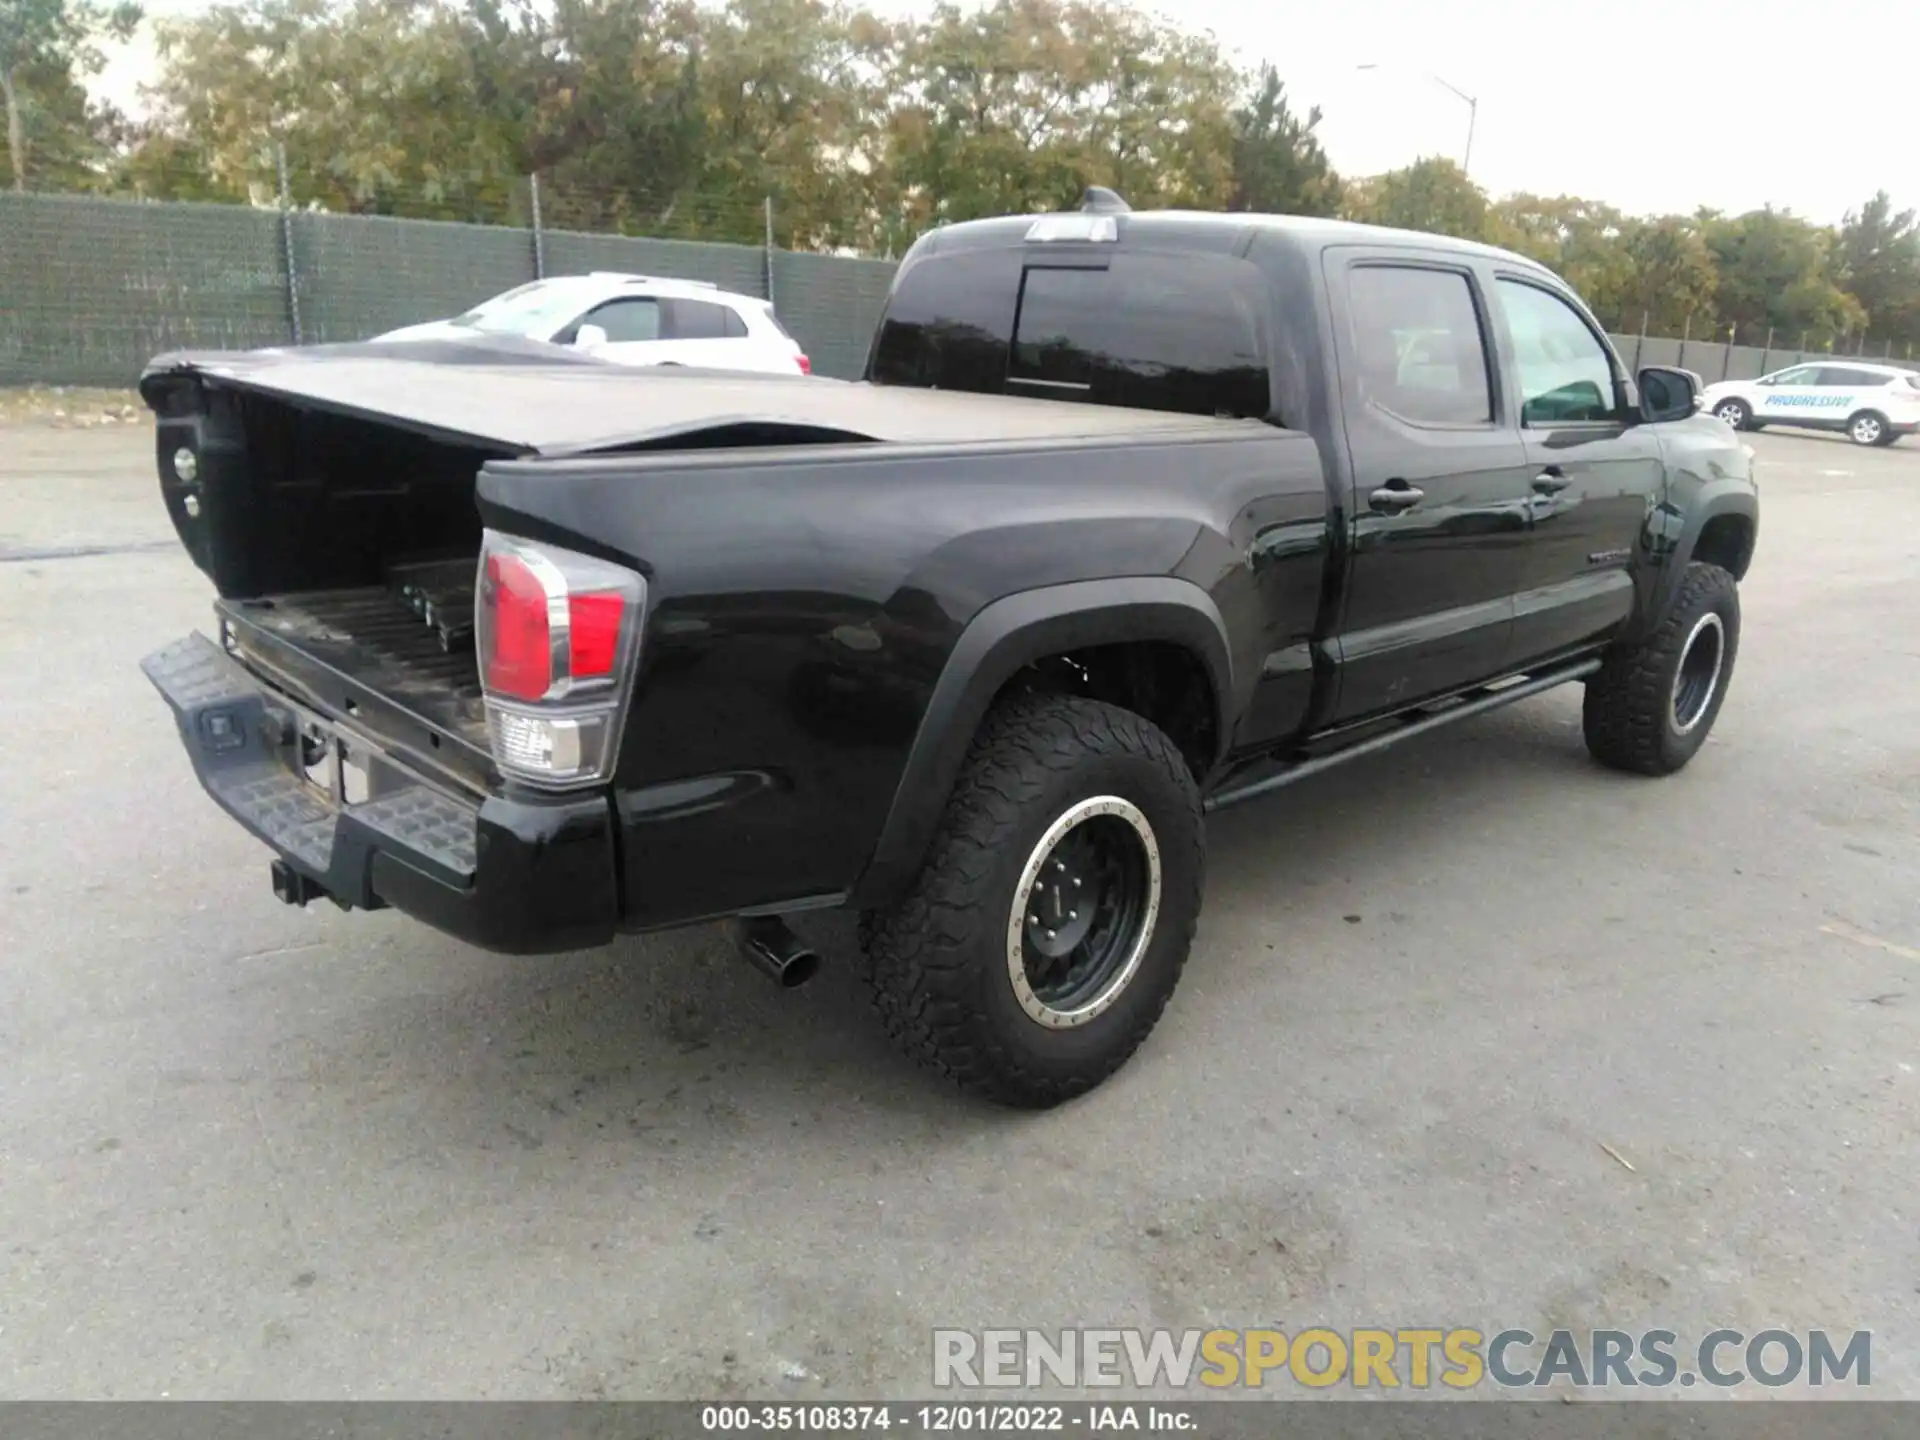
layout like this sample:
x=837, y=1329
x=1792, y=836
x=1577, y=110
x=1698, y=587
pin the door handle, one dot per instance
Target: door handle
x=1550, y=481
x=1395, y=496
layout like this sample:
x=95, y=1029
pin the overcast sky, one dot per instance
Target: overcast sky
x=1652, y=105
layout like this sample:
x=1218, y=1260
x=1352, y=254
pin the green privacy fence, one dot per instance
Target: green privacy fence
x=91, y=288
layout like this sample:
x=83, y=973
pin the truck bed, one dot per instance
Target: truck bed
x=395, y=659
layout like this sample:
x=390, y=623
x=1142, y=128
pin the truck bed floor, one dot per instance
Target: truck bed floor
x=410, y=642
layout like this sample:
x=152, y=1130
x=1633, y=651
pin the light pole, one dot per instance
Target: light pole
x=1473, y=110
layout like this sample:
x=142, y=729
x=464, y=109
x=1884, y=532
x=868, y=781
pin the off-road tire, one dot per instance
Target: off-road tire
x=937, y=960
x=1629, y=712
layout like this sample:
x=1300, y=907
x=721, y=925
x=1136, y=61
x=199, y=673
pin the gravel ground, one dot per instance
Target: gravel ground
x=68, y=408
x=1475, y=1033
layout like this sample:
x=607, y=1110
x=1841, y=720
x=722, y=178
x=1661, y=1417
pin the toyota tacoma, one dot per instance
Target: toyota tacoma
x=1132, y=516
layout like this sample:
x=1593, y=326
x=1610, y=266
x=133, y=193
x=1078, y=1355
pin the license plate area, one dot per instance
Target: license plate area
x=340, y=766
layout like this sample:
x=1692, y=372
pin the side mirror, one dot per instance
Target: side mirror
x=1667, y=394
x=589, y=337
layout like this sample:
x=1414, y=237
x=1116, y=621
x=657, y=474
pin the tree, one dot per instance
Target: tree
x=370, y=101
x=1878, y=260
x=1776, y=273
x=1433, y=194
x=603, y=98
x=795, y=100
x=1675, y=280
x=1279, y=167
x=1020, y=106
x=46, y=42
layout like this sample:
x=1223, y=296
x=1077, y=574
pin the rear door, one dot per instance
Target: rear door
x=1438, y=511
x=1843, y=392
x=707, y=333
x=1849, y=391
x=1184, y=332
x=1595, y=471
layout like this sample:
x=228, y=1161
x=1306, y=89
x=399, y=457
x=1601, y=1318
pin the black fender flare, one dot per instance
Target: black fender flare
x=997, y=643
x=1732, y=497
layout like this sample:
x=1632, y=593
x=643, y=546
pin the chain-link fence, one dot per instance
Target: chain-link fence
x=92, y=288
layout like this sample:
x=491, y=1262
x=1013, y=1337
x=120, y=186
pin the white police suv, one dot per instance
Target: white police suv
x=1873, y=404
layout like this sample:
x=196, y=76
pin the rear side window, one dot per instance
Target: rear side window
x=699, y=320
x=1854, y=379
x=1418, y=351
x=1152, y=331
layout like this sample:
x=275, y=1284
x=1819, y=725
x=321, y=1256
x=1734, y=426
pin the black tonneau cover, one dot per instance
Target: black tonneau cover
x=542, y=400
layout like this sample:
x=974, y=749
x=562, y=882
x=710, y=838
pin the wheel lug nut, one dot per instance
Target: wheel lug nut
x=1050, y=935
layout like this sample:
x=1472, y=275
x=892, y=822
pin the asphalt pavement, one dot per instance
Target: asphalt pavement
x=1475, y=1033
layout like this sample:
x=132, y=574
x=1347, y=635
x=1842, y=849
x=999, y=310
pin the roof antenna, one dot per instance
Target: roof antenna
x=1099, y=200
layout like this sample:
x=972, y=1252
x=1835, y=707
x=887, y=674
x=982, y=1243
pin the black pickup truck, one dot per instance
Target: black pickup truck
x=1133, y=516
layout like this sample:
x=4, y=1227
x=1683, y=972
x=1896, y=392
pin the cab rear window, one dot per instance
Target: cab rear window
x=1155, y=332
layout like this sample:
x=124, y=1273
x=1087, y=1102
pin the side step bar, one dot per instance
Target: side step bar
x=1418, y=722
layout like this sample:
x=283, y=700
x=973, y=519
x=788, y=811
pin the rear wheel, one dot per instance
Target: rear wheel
x=1037, y=948
x=1869, y=427
x=1651, y=705
x=1735, y=412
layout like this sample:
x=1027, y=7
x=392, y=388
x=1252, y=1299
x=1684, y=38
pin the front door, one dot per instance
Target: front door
x=1794, y=397
x=1596, y=471
x=634, y=329
x=1438, y=510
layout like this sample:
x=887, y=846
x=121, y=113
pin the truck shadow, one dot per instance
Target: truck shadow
x=668, y=1050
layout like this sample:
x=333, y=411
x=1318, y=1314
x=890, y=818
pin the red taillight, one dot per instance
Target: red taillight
x=518, y=660
x=557, y=634
x=806, y=365
x=549, y=624
x=593, y=626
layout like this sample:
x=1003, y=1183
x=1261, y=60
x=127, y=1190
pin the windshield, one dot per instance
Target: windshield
x=534, y=310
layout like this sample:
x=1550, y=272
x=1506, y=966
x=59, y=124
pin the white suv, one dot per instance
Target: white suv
x=1873, y=404
x=633, y=320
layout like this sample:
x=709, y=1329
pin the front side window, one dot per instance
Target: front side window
x=1418, y=350
x=1799, y=375
x=627, y=321
x=1565, y=374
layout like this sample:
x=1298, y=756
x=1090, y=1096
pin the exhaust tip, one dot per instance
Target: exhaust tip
x=767, y=944
x=800, y=968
